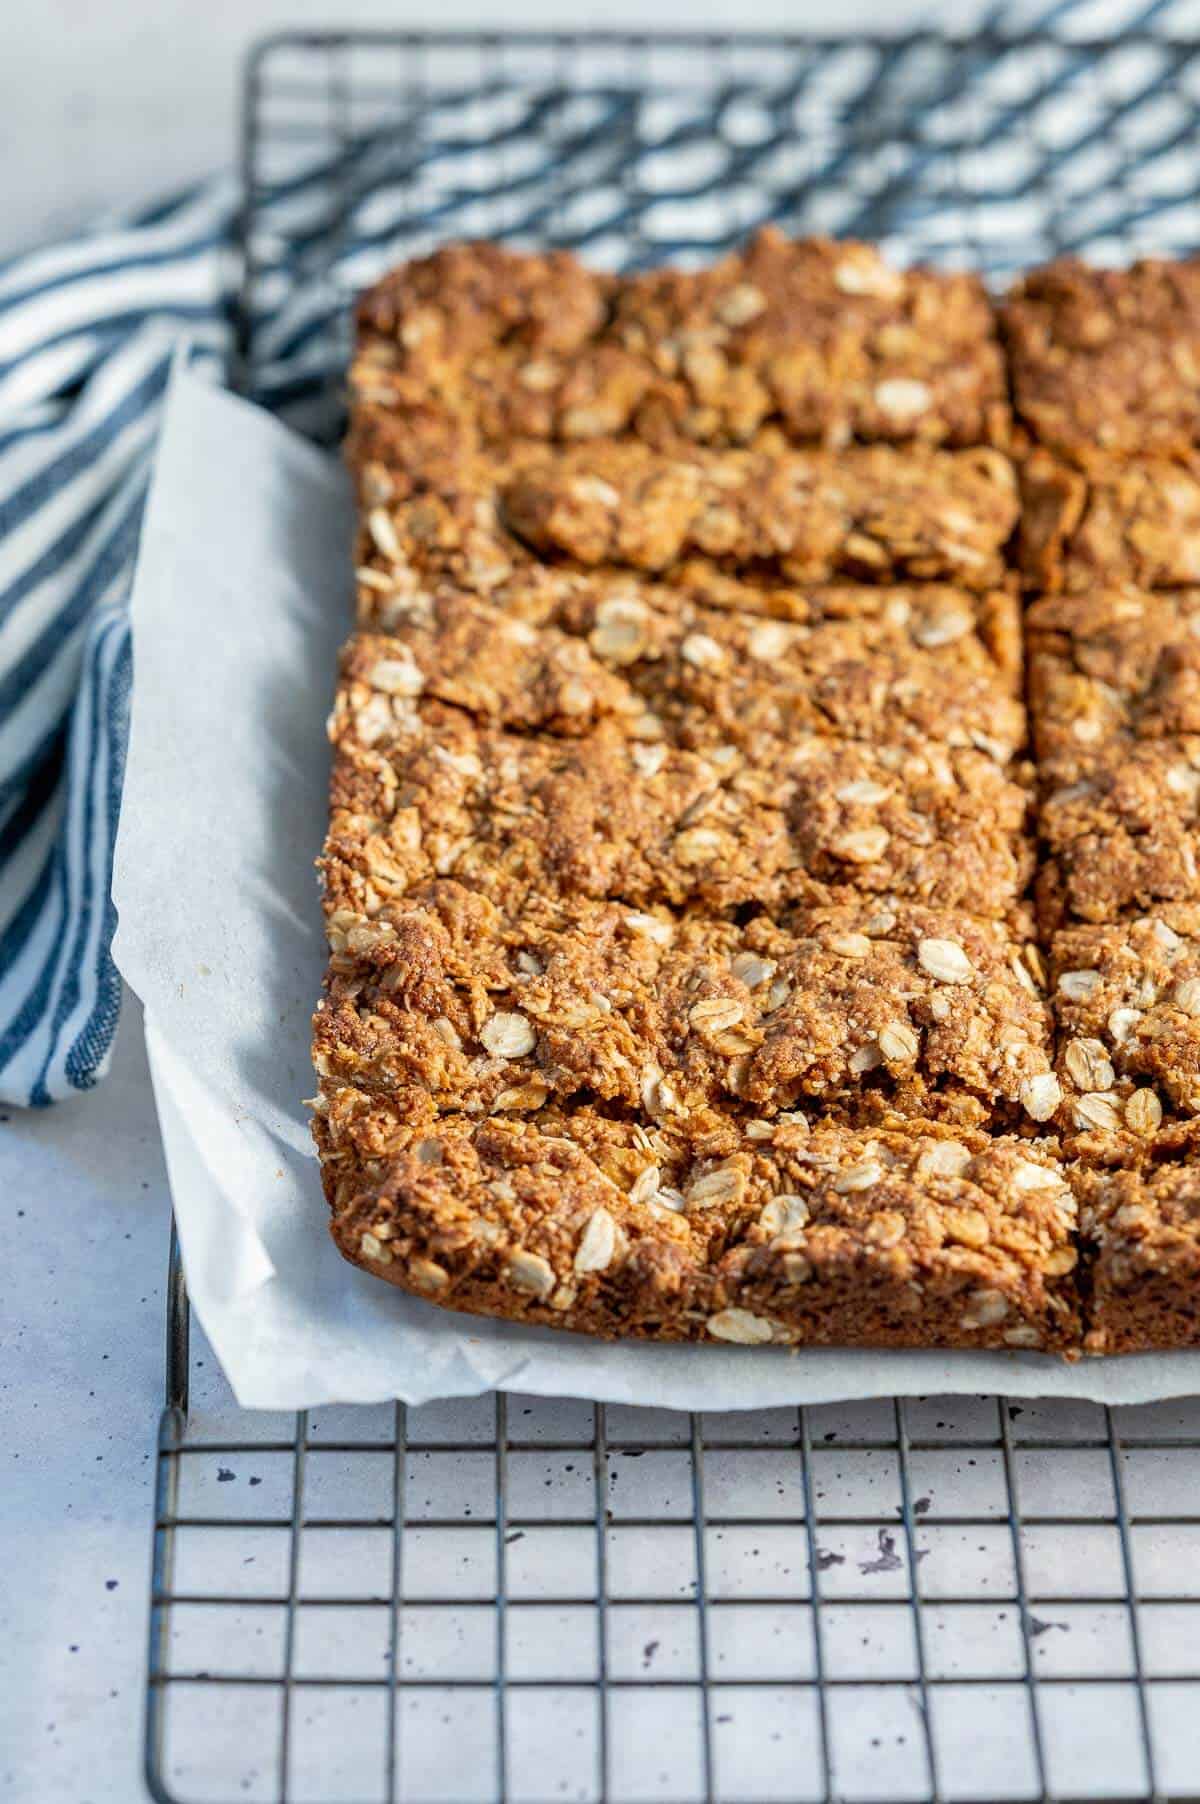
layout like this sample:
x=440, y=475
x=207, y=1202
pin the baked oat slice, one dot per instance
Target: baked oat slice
x=886, y=1008
x=518, y=817
x=1140, y=1229
x=1123, y=837
x=1124, y=522
x=488, y=661
x=1126, y=1000
x=1105, y=363
x=558, y=655
x=944, y=827
x=421, y=790
x=874, y=1011
x=872, y=513
x=824, y=340
x=716, y=1232
x=927, y=616
x=1111, y=666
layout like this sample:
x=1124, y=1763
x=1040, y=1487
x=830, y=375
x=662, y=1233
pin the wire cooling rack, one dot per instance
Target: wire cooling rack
x=516, y=1599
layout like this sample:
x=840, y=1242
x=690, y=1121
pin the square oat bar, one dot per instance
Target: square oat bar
x=825, y=342
x=1123, y=522
x=930, y=616
x=1105, y=363
x=1127, y=1006
x=1110, y=667
x=558, y=651
x=1122, y=835
x=420, y=790
x=872, y=513
x=715, y=1231
x=1141, y=1228
x=869, y=1010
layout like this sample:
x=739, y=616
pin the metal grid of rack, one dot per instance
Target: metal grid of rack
x=516, y=1599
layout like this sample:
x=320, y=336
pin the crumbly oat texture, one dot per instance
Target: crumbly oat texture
x=1135, y=521
x=892, y=667
x=824, y=340
x=709, y=959
x=421, y=791
x=1122, y=835
x=435, y=507
x=805, y=1236
x=875, y=1011
x=1141, y=1231
x=1105, y=363
x=1110, y=667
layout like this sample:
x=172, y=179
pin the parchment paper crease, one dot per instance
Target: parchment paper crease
x=241, y=598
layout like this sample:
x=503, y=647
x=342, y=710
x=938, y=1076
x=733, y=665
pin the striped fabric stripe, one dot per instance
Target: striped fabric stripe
x=88, y=331
x=87, y=335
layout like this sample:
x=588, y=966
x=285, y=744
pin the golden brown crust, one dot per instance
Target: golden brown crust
x=874, y=513
x=1129, y=1042
x=1123, y=837
x=438, y=508
x=922, y=617
x=561, y=655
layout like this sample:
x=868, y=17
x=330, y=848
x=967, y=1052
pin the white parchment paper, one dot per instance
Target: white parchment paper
x=241, y=598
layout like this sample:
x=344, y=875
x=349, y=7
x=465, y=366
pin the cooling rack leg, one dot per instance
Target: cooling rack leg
x=162, y=1569
x=178, y=1332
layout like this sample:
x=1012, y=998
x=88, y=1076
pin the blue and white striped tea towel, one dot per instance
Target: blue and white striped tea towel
x=87, y=333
